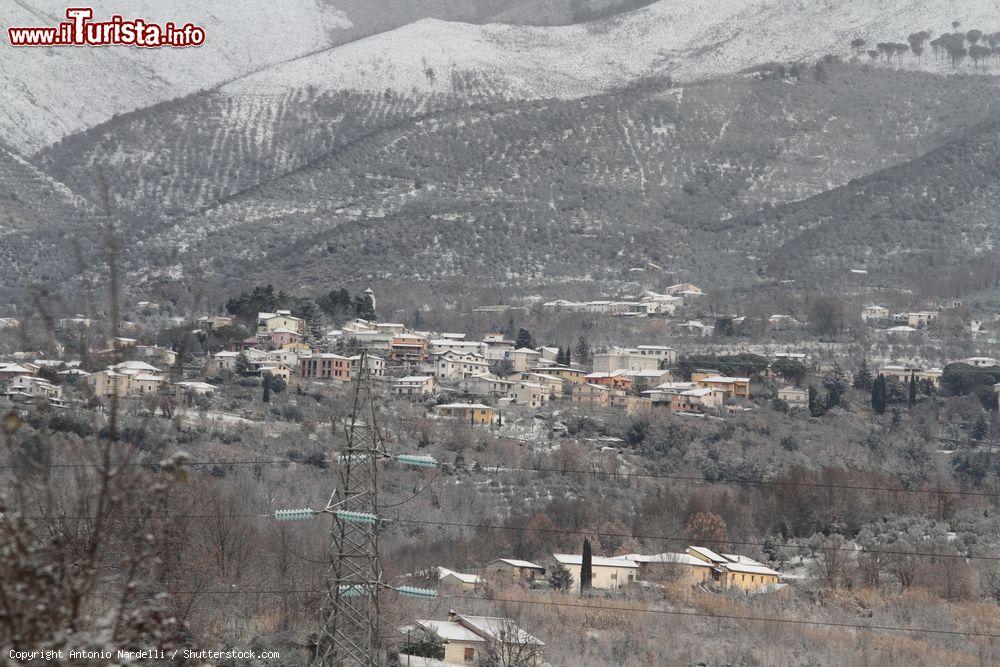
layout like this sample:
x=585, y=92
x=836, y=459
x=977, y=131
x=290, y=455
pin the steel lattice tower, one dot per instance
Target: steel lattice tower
x=350, y=633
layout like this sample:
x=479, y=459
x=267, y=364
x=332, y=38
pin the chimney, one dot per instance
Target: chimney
x=452, y=616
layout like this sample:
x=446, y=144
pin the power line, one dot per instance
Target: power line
x=554, y=531
x=639, y=610
x=683, y=538
x=560, y=471
x=735, y=617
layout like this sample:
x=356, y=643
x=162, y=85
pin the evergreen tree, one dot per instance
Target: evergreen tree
x=242, y=363
x=815, y=409
x=308, y=310
x=911, y=398
x=266, y=381
x=561, y=579
x=524, y=339
x=586, y=566
x=336, y=303
x=863, y=378
x=563, y=357
x=879, y=395
x=247, y=305
x=583, y=352
x=364, y=308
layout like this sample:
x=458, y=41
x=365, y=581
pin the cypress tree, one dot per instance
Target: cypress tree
x=879, y=395
x=814, y=408
x=863, y=378
x=911, y=399
x=266, y=381
x=586, y=566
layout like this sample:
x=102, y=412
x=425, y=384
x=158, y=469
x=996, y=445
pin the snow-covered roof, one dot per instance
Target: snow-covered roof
x=749, y=569
x=666, y=558
x=703, y=391
x=597, y=561
x=196, y=385
x=414, y=379
x=709, y=554
x=461, y=576
x=13, y=368
x=513, y=562
x=135, y=366
x=674, y=385
x=451, y=631
x=722, y=379
x=500, y=629
x=471, y=406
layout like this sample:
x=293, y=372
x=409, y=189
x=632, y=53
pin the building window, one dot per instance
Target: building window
x=470, y=654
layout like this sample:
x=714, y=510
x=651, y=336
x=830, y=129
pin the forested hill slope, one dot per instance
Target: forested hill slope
x=531, y=192
x=49, y=235
x=922, y=221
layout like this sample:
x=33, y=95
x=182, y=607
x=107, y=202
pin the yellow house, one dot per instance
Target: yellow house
x=574, y=375
x=607, y=573
x=591, y=394
x=457, y=580
x=747, y=577
x=513, y=569
x=680, y=568
x=468, y=639
x=471, y=413
x=282, y=319
x=734, y=387
x=733, y=570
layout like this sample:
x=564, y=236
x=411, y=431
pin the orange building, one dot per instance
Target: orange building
x=734, y=387
x=617, y=379
x=326, y=367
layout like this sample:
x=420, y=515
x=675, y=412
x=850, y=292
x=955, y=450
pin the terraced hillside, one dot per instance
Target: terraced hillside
x=185, y=156
x=527, y=192
x=927, y=221
x=49, y=236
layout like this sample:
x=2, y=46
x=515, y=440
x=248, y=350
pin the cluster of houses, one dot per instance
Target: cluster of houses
x=482, y=377
x=647, y=304
x=904, y=323
x=471, y=640
x=632, y=379
x=695, y=566
x=465, y=639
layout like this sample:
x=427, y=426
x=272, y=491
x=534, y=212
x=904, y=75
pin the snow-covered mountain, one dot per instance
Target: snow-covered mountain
x=686, y=39
x=49, y=93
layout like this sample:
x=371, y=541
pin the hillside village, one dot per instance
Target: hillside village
x=501, y=333
x=478, y=381
x=504, y=384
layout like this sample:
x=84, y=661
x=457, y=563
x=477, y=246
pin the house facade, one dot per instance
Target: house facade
x=415, y=385
x=607, y=573
x=476, y=414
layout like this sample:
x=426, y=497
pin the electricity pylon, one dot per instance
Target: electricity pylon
x=350, y=633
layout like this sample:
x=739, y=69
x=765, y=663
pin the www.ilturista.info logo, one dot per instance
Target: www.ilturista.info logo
x=79, y=30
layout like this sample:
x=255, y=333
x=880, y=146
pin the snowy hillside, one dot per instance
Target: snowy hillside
x=687, y=40
x=52, y=92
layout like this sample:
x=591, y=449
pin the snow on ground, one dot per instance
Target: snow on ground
x=260, y=46
x=52, y=92
x=687, y=39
